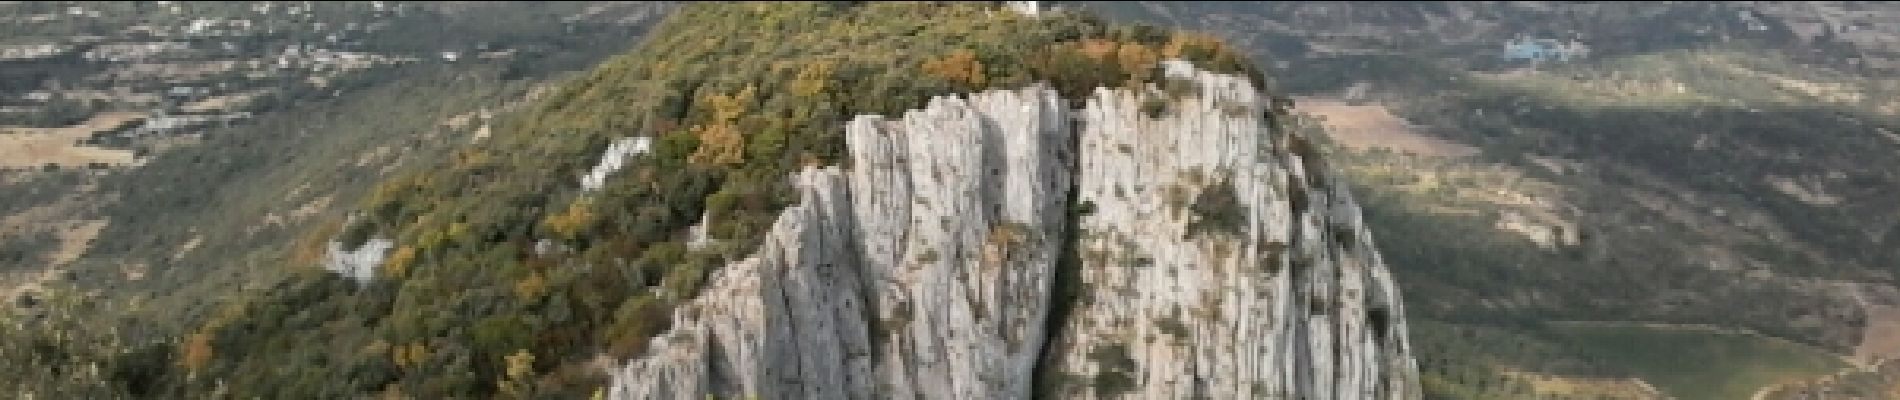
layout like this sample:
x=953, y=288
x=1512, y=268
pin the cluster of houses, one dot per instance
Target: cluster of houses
x=1032, y=9
x=136, y=51
x=178, y=74
x=317, y=59
x=32, y=51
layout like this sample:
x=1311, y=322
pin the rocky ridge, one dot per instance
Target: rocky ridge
x=1213, y=260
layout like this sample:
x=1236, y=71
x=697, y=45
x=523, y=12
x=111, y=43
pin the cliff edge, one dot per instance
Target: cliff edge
x=1149, y=244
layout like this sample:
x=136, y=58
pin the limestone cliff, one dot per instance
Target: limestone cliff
x=1213, y=260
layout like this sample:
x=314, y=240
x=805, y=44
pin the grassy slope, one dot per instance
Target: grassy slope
x=1703, y=365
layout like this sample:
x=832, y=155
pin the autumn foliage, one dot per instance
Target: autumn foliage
x=959, y=67
x=196, y=351
x=736, y=98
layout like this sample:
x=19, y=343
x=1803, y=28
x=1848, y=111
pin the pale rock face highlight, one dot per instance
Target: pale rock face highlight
x=360, y=263
x=1217, y=265
x=928, y=267
x=614, y=159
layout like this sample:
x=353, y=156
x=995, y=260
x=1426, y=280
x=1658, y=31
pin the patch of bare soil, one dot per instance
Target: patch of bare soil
x=1880, y=340
x=36, y=147
x=1599, y=388
x=1362, y=127
x=1804, y=193
x=74, y=238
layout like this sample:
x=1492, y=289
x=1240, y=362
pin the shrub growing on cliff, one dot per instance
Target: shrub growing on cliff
x=1217, y=209
x=1117, y=369
x=1173, y=327
x=1083, y=208
x=1155, y=107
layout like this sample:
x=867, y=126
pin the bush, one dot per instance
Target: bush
x=1180, y=88
x=1173, y=327
x=1117, y=369
x=1083, y=208
x=1154, y=107
x=1218, y=209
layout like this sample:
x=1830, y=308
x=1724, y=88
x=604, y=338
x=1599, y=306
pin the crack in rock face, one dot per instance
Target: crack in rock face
x=1218, y=262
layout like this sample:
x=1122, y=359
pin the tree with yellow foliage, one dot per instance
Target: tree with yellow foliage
x=720, y=142
x=518, y=381
x=570, y=224
x=1205, y=49
x=1138, y=61
x=960, y=67
x=398, y=263
x=531, y=287
x=1098, y=49
x=409, y=356
x=196, y=351
x=813, y=80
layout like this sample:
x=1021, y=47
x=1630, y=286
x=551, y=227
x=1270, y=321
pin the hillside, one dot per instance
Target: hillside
x=537, y=254
x=120, y=261
x=1724, y=164
x=417, y=199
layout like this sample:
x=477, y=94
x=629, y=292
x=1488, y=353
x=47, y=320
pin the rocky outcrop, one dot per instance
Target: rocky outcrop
x=787, y=323
x=1220, y=262
x=360, y=263
x=614, y=159
x=1213, y=262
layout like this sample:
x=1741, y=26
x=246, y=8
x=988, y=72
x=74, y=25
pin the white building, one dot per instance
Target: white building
x=1029, y=8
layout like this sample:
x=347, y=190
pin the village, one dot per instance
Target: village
x=157, y=71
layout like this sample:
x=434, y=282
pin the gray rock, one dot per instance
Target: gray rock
x=360, y=263
x=1277, y=304
x=615, y=158
x=926, y=270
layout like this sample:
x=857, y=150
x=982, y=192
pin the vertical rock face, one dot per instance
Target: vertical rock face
x=1214, y=264
x=786, y=323
x=1217, y=266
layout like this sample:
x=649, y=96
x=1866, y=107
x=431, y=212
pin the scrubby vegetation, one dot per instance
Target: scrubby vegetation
x=466, y=305
x=241, y=210
x=1117, y=370
x=1693, y=364
x=1217, y=210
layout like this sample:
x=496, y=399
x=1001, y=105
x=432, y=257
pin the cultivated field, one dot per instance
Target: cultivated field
x=1361, y=127
x=36, y=147
x=1691, y=363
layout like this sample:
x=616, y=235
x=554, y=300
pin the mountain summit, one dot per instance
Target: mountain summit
x=1209, y=259
x=1207, y=254
x=854, y=200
